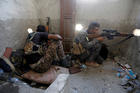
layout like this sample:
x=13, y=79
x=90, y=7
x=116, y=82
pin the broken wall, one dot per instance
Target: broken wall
x=49, y=8
x=15, y=18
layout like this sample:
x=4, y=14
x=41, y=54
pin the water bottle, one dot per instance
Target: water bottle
x=1, y=71
x=14, y=80
x=83, y=67
x=132, y=74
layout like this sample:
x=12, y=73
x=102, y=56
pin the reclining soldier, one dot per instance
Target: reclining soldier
x=88, y=44
x=42, y=53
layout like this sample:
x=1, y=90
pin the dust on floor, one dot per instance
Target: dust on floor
x=96, y=80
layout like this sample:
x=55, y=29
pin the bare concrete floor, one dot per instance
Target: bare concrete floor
x=15, y=88
x=96, y=80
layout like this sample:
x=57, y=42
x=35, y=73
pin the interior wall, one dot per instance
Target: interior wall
x=49, y=8
x=15, y=17
x=111, y=14
x=133, y=53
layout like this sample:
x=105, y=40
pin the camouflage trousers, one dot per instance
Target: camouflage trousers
x=87, y=55
x=54, y=52
x=94, y=54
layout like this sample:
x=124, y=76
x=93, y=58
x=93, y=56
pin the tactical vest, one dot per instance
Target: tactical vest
x=77, y=49
x=30, y=47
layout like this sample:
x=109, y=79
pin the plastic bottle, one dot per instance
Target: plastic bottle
x=83, y=67
x=132, y=74
x=14, y=80
x=1, y=71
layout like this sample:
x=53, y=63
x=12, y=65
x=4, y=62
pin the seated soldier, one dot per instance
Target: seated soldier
x=40, y=53
x=88, y=46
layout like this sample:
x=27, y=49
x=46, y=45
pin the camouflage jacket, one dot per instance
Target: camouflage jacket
x=83, y=39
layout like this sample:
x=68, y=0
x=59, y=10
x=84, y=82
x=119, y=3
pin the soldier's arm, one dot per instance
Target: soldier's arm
x=96, y=36
x=54, y=36
x=100, y=39
x=83, y=39
x=89, y=44
x=91, y=36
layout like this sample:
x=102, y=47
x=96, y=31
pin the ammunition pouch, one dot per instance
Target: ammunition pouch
x=30, y=47
x=79, y=51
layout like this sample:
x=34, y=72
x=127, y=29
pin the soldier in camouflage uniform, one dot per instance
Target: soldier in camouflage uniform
x=89, y=44
x=54, y=52
x=49, y=53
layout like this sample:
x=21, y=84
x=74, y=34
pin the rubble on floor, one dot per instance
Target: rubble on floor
x=96, y=80
x=102, y=79
x=129, y=79
x=83, y=79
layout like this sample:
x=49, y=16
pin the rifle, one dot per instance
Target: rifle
x=48, y=24
x=110, y=34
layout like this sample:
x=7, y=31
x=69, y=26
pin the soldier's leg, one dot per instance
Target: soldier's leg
x=94, y=52
x=99, y=59
x=102, y=55
x=45, y=62
x=60, y=50
x=64, y=61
